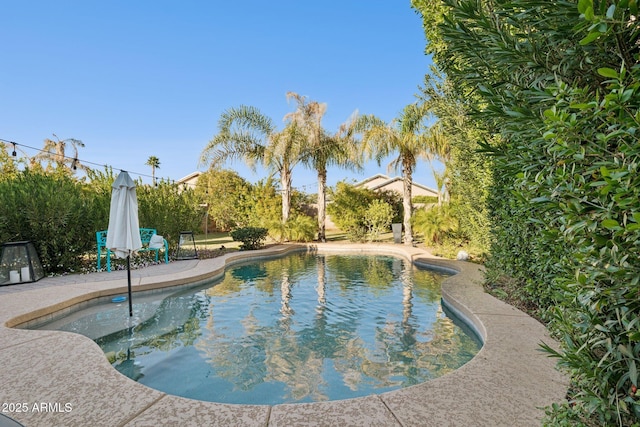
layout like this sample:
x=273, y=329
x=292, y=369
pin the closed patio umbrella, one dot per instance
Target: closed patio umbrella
x=123, y=234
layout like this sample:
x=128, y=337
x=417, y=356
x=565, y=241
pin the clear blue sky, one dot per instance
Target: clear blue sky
x=133, y=79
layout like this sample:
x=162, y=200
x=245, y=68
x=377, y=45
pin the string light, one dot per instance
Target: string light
x=75, y=160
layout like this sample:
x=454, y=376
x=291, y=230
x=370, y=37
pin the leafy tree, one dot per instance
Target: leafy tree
x=262, y=206
x=225, y=193
x=395, y=200
x=348, y=208
x=8, y=166
x=154, y=163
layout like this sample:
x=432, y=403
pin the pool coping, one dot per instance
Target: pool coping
x=507, y=383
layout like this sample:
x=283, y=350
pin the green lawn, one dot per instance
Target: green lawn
x=214, y=240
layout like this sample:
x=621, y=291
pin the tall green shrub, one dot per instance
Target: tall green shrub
x=377, y=218
x=8, y=163
x=593, y=182
x=301, y=228
x=348, y=207
x=262, y=206
x=557, y=84
x=54, y=211
x=468, y=170
x=352, y=211
x=298, y=228
x=99, y=188
x=225, y=192
x=169, y=209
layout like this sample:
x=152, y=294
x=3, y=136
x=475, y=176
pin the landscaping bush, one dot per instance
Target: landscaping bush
x=347, y=209
x=378, y=218
x=592, y=188
x=298, y=228
x=301, y=228
x=262, y=207
x=251, y=237
x=469, y=173
x=99, y=186
x=55, y=212
x=166, y=207
x=350, y=207
x=435, y=223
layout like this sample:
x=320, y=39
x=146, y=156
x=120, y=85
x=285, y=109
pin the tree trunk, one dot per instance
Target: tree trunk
x=322, y=204
x=285, y=182
x=407, y=182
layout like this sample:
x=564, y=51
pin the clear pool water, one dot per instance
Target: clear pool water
x=301, y=328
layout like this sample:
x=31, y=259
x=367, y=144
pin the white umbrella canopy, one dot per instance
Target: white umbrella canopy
x=123, y=234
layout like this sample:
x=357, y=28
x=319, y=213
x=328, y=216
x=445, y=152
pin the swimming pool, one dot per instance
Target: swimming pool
x=301, y=328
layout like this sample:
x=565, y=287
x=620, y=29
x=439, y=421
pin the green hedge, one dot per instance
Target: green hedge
x=169, y=209
x=61, y=214
x=55, y=212
x=557, y=84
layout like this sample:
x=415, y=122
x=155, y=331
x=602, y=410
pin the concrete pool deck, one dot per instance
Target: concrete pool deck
x=52, y=378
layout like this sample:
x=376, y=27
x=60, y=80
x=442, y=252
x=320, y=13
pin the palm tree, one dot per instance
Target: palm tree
x=408, y=136
x=281, y=155
x=321, y=149
x=154, y=162
x=438, y=148
x=54, y=152
x=245, y=133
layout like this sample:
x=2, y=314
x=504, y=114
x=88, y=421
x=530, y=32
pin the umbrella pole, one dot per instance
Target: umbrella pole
x=129, y=283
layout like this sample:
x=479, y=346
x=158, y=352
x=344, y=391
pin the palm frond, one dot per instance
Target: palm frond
x=242, y=135
x=245, y=117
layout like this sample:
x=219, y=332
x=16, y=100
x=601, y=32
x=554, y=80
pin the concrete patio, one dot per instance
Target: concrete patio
x=52, y=378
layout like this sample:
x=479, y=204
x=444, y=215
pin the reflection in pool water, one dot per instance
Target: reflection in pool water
x=302, y=328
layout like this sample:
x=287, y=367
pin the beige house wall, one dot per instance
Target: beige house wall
x=382, y=182
x=190, y=180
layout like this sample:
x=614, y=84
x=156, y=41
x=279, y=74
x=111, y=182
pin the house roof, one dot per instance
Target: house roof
x=189, y=177
x=388, y=181
x=371, y=178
